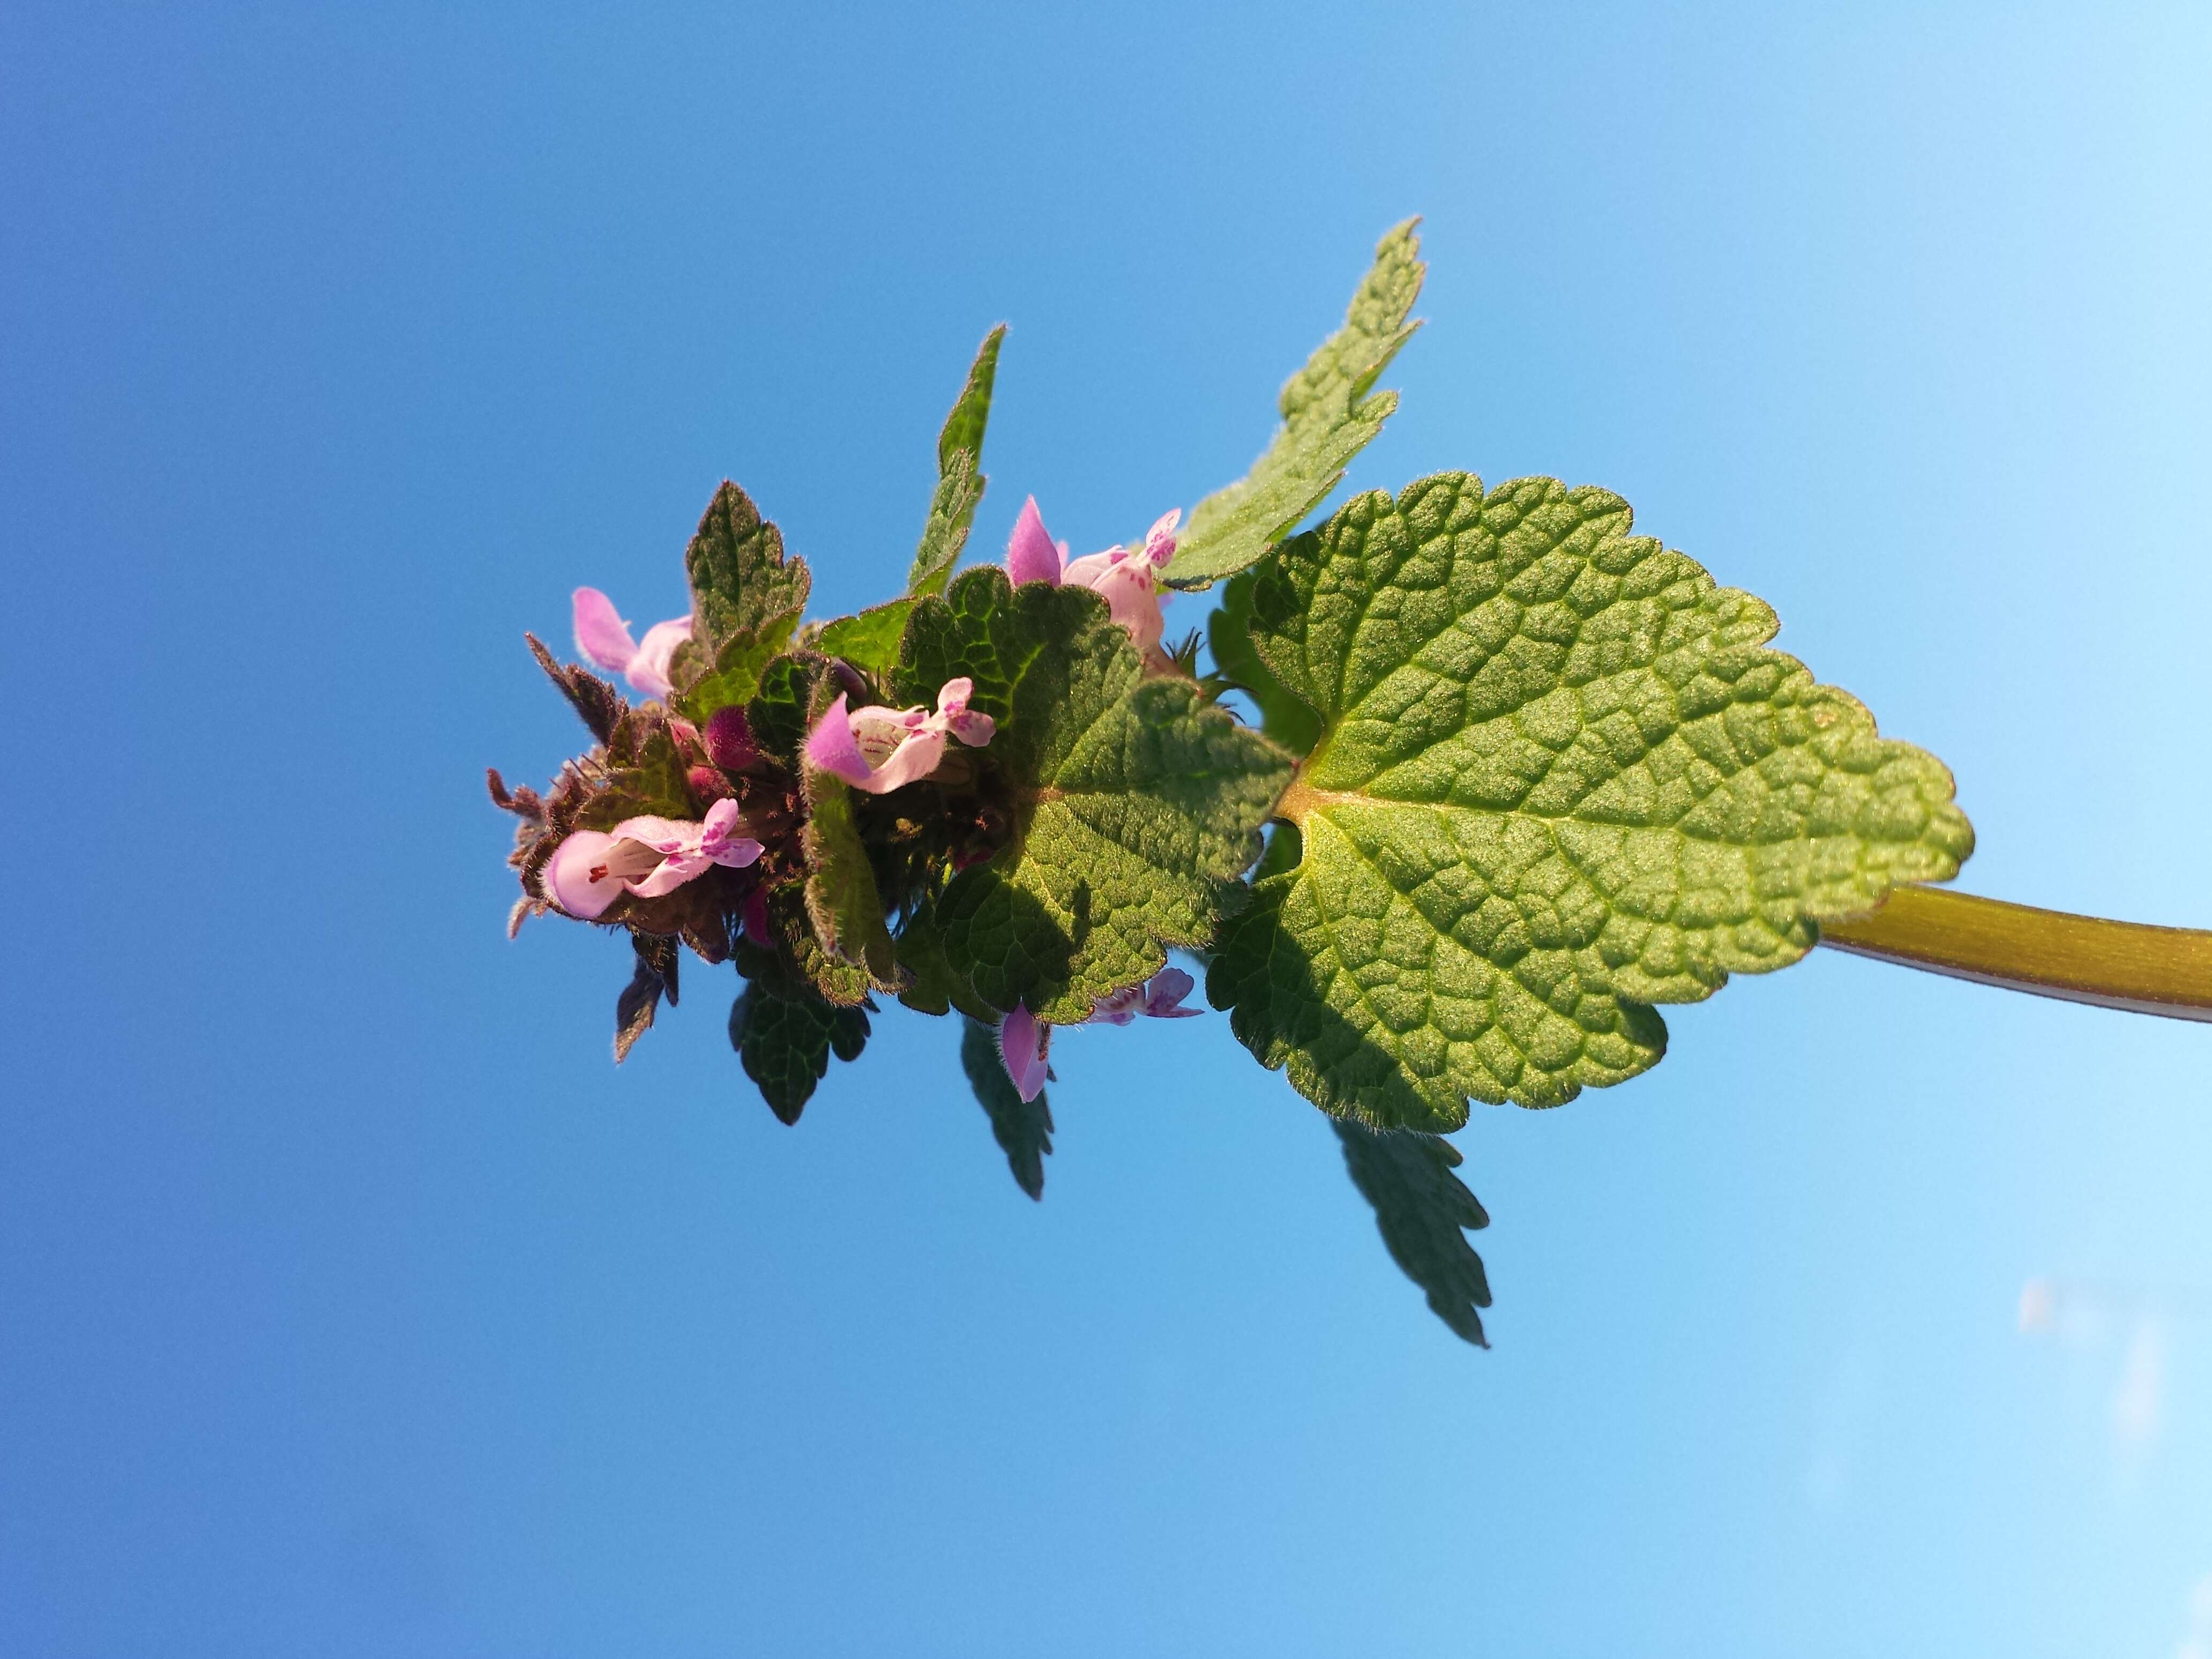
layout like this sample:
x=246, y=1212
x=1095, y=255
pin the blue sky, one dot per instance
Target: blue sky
x=357, y=1304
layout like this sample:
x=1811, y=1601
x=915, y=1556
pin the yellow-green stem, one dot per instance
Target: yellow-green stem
x=2114, y=964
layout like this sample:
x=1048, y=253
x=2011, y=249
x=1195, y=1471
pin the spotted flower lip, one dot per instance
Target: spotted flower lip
x=1158, y=998
x=1126, y=579
x=645, y=857
x=603, y=638
x=878, y=750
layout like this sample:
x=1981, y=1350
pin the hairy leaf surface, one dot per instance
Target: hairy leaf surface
x=1562, y=778
x=746, y=598
x=1328, y=418
x=1137, y=804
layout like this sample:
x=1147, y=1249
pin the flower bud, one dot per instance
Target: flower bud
x=730, y=740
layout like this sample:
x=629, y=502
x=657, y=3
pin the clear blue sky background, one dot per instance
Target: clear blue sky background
x=351, y=1303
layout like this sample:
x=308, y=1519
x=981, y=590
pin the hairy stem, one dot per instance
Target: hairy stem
x=2049, y=953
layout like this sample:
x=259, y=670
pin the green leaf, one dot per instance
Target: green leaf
x=1562, y=778
x=932, y=985
x=960, y=478
x=1135, y=803
x=870, y=641
x=1229, y=632
x=1023, y=1128
x=841, y=900
x=1328, y=418
x=777, y=716
x=745, y=599
x=1423, y=1210
x=785, y=1044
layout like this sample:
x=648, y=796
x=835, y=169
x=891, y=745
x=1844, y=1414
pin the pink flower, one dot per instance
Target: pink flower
x=880, y=750
x=603, y=637
x=1158, y=998
x=646, y=857
x=1024, y=1045
x=1128, y=581
x=1025, y=1042
x=1031, y=555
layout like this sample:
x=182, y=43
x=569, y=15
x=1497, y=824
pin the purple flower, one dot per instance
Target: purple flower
x=880, y=750
x=645, y=857
x=603, y=637
x=1025, y=1041
x=1158, y=998
x=1127, y=580
x=1023, y=1046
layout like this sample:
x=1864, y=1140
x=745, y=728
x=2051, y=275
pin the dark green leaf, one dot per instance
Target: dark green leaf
x=784, y=1045
x=745, y=599
x=1283, y=717
x=1422, y=1209
x=653, y=978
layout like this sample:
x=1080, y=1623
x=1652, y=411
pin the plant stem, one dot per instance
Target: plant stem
x=2114, y=964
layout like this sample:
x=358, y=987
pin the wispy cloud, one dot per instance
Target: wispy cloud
x=2100, y=1318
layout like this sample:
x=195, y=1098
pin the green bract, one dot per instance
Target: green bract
x=1560, y=779
x=1530, y=775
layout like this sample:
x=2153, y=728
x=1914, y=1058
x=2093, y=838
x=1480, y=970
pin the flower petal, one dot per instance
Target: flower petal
x=973, y=727
x=1128, y=590
x=1164, y=995
x=830, y=746
x=1022, y=1046
x=1087, y=571
x=671, y=874
x=1030, y=556
x=916, y=758
x=1160, y=540
x=601, y=633
x=649, y=673
x=663, y=836
x=569, y=880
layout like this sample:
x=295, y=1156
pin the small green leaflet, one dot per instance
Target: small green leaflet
x=1022, y=1127
x=1423, y=1210
x=1328, y=418
x=1561, y=778
x=745, y=599
x=785, y=1044
x=959, y=474
x=1137, y=804
x=869, y=640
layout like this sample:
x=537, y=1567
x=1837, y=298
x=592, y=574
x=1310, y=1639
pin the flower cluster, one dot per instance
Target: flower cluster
x=750, y=807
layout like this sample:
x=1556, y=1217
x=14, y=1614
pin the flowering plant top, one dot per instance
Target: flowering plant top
x=1477, y=779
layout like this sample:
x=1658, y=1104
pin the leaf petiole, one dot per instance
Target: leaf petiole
x=2047, y=953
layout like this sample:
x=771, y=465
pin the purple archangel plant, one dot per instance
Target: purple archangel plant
x=1518, y=776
